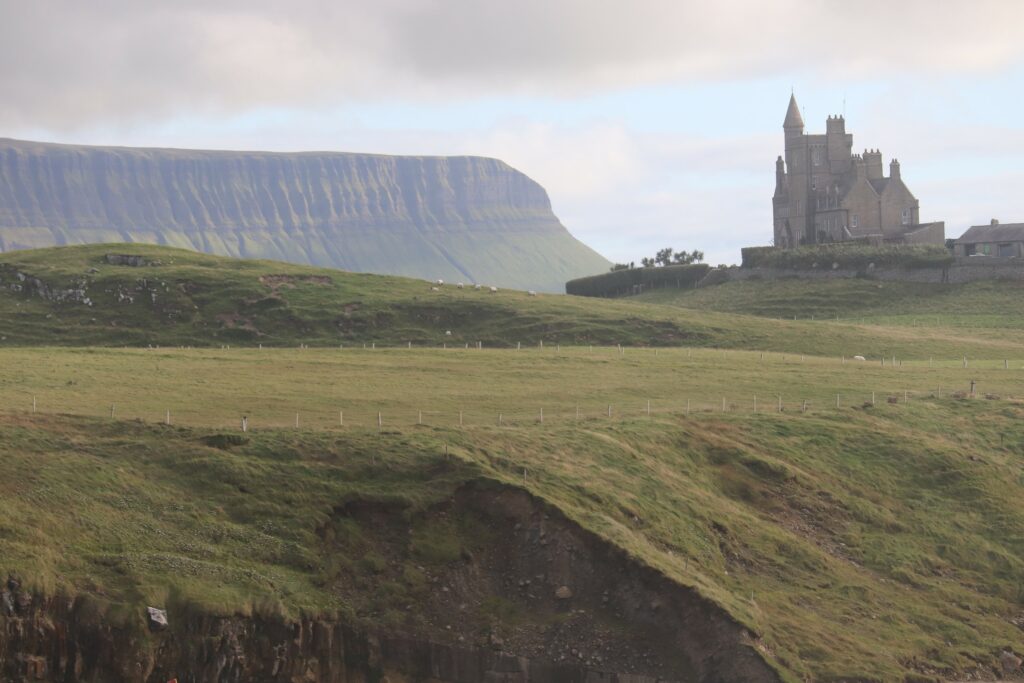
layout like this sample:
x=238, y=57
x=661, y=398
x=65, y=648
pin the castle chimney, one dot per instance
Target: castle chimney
x=894, y=169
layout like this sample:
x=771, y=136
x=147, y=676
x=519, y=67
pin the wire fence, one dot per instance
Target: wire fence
x=388, y=417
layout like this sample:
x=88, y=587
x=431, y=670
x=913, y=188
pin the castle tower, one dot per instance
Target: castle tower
x=825, y=193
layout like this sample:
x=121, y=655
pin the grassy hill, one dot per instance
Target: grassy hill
x=860, y=543
x=73, y=296
x=992, y=305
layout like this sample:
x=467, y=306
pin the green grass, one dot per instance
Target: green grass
x=854, y=541
x=991, y=306
x=189, y=299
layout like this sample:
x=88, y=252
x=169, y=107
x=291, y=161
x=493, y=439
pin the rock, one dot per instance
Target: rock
x=563, y=593
x=1010, y=662
x=7, y=603
x=157, y=619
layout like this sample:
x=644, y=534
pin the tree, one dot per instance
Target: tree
x=664, y=256
x=684, y=257
x=647, y=262
x=620, y=266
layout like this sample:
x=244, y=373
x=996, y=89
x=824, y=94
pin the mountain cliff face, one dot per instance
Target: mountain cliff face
x=457, y=218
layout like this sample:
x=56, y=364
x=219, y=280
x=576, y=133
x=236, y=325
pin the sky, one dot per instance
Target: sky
x=651, y=123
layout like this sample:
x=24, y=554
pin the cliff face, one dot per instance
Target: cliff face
x=457, y=218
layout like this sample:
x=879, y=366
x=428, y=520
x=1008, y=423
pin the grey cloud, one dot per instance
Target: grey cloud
x=67, y=63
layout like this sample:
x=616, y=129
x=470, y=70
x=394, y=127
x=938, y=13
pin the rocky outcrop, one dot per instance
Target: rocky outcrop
x=457, y=218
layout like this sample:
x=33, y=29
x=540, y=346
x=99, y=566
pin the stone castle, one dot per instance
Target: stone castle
x=825, y=193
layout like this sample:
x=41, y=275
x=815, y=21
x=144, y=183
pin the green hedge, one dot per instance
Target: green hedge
x=848, y=256
x=622, y=282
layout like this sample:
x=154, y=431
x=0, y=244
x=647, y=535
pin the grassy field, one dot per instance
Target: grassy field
x=859, y=542
x=864, y=541
x=996, y=305
x=188, y=299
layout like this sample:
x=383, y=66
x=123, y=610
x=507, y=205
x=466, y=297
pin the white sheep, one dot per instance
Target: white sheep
x=532, y=293
x=440, y=282
x=460, y=285
x=434, y=289
x=859, y=358
x=493, y=290
x=476, y=286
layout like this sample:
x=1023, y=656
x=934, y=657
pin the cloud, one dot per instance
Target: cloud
x=67, y=64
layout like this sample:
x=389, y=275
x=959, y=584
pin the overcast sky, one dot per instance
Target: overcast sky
x=650, y=122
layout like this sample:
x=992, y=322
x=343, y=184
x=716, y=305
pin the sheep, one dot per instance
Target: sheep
x=476, y=286
x=434, y=289
x=440, y=282
x=532, y=293
x=859, y=358
x=493, y=290
x=460, y=285
x=447, y=333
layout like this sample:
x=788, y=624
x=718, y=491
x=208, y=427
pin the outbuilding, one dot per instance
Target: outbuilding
x=994, y=239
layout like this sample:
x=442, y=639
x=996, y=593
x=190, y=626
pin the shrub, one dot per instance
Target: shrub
x=849, y=256
x=621, y=282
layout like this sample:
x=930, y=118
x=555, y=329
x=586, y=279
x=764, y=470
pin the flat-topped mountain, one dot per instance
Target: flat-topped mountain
x=458, y=218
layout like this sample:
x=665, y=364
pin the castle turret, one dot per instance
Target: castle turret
x=794, y=123
x=839, y=144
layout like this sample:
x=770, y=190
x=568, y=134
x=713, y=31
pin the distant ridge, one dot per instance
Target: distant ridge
x=458, y=218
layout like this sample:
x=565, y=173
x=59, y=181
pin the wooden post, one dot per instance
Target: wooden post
x=245, y=424
x=803, y=408
x=33, y=404
x=609, y=410
x=380, y=422
x=687, y=407
x=542, y=343
x=558, y=348
x=460, y=418
x=111, y=411
x=373, y=345
x=499, y=419
x=755, y=404
x=780, y=403
x=410, y=345
x=648, y=407
x=872, y=398
x=341, y=418
x=837, y=401
x=904, y=395
x=577, y=411
x=542, y=416
x=723, y=404
x=965, y=361
x=167, y=418
x=296, y=420
x=519, y=345
x=973, y=383
x=1006, y=364
x=419, y=418
x=929, y=362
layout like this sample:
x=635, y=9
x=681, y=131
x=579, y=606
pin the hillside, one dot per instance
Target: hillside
x=456, y=218
x=991, y=305
x=874, y=543
x=74, y=296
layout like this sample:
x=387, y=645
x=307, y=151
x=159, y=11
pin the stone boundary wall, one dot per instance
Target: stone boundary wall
x=954, y=274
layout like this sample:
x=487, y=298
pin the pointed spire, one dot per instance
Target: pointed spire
x=793, y=118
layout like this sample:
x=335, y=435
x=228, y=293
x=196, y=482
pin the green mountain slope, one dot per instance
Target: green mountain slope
x=76, y=296
x=457, y=218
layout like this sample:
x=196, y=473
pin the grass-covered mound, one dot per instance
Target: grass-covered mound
x=848, y=255
x=75, y=296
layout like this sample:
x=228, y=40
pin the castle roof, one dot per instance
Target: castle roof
x=793, y=118
x=1010, y=232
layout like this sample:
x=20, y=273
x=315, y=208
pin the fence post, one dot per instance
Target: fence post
x=245, y=424
x=111, y=411
x=687, y=407
x=296, y=420
x=803, y=408
x=542, y=416
x=872, y=398
x=837, y=401
x=577, y=411
x=780, y=403
x=167, y=418
x=419, y=418
x=723, y=404
x=609, y=410
x=755, y=404
x=460, y=418
x=341, y=418
x=380, y=422
x=499, y=419
x=33, y=404
x=904, y=395
x=648, y=407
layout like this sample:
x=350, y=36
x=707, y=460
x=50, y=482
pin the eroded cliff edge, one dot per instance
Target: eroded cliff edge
x=459, y=218
x=533, y=597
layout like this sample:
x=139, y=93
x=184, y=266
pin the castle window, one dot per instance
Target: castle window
x=854, y=221
x=816, y=155
x=905, y=217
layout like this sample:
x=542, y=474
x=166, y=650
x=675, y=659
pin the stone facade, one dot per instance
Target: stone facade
x=825, y=193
